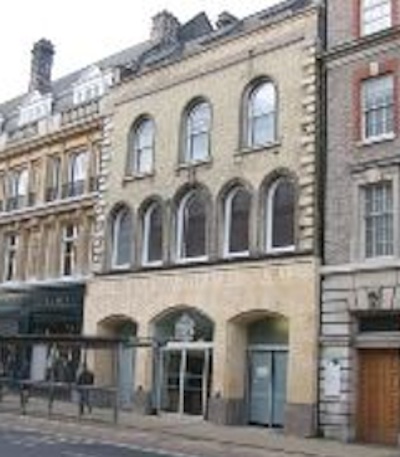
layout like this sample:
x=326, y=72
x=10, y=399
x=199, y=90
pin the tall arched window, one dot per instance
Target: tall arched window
x=237, y=219
x=192, y=226
x=197, y=132
x=281, y=215
x=152, y=234
x=121, y=238
x=261, y=115
x=141, y=159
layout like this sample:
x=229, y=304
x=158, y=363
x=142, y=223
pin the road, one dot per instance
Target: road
x=25, y=443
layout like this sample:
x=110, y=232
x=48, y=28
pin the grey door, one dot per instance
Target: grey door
x=126, y=375
x=279, y=378
x=267, y=387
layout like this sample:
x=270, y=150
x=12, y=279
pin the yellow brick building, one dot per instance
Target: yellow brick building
x=206, y=224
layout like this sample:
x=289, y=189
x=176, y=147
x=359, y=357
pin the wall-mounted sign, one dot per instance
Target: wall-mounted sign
x=332, y=382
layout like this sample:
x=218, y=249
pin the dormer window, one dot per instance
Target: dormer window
x=91, y=85
x=35, y=107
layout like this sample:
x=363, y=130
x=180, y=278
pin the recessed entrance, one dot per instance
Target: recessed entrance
x=183, y=369
x=185, y=380
x=267, y=371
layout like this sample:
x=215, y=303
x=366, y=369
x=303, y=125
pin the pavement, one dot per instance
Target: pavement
x=188, y=436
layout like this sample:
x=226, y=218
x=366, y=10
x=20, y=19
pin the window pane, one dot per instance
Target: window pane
x=194, y=227
x=122, y=238
x=261, y=115
x=143, y=147
x=239, y=221
x=378, y=106
x=154, y=234
x=378, y=220
x=376, y=15
x=198, y=127
x=283, y=207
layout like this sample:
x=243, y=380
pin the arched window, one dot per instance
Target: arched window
x=152, y=235
x=197, y=132
x=281, y=215
x=261, y=115
x=192, y=226
x=142, y=147
x=237, y=218
x=121, y=238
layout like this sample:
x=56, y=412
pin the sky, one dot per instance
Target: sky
x=84, y=31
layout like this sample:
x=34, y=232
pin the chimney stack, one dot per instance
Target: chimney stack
x=41, y=66
x=165, y=28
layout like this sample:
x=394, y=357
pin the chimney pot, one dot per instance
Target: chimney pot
x=165, y=28
x=41, y=66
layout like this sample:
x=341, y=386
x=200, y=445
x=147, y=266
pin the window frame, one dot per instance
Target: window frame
x=364, y=216
x=181, y=225
x=146, y=218
x=269, y=218
x=11, y=252
x=227, y=209
x=189, y=134
x=65, y=240
x=364, y=9
x=115, y=235
x=253, y=88
x=365, y=112
x=135, y=152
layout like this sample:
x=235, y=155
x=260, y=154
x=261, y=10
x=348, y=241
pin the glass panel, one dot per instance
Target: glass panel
x=193, y=383
x=122, y=238
x=378, y=100
x=239, y=221
x=261, y=115
x=283, y=207
x=378, y=220
x=154, y=234
x=194, y=227
x=198, y=127
x=144, y=147
x=376, y=15
x=170, y=397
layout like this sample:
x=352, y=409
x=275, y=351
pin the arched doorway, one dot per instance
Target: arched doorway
x=267, y=341
x=118, y=327
x=183, y=369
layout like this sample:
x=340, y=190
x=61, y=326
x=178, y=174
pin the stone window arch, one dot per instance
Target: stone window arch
x=152, y=240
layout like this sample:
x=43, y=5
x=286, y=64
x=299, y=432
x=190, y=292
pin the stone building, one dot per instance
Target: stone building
x=360, y=367
x=49, y=176
x=207, y=225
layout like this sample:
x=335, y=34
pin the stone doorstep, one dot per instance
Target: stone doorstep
x=196, y=431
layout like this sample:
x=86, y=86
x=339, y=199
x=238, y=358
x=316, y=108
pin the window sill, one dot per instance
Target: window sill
x=138, y=176
x=376, y=140
x=156, y=264
x=188, y=260
x=245, y=150
x=198, y=163
x=272, y=251
x=236, y=255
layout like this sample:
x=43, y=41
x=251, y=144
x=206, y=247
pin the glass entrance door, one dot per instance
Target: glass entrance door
x=185, y=377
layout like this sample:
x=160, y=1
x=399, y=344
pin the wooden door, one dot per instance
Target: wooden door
x=378, y=410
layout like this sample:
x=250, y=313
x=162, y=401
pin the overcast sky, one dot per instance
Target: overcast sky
x=83, y=31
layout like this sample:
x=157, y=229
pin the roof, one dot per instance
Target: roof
x=196, y=31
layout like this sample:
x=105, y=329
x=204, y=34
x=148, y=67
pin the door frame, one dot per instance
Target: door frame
x=184, y=348
x=269, y=348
